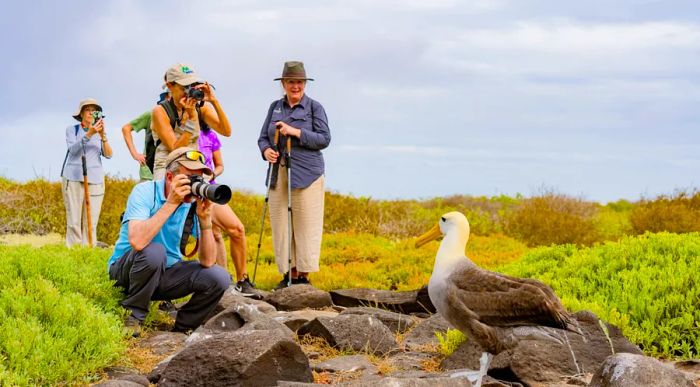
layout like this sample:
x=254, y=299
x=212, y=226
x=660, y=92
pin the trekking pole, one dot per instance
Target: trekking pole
x=288, y=159
x=267, y=198
x=86, y=194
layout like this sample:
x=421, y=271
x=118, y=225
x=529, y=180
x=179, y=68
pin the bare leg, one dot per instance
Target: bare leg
x=224, y=217
x=220, y=248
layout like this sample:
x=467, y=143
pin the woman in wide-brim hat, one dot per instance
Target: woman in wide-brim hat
x=87, y=138
x=304, y=121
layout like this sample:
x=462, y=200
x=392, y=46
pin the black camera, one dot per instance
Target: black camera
x=217, y=193
x=195, y=93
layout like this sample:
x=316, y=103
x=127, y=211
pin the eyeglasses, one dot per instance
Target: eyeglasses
x=192, y=155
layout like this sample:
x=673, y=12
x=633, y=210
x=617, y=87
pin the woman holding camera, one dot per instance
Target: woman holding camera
x=302, y=121
x=86, y=139
x=187, y=91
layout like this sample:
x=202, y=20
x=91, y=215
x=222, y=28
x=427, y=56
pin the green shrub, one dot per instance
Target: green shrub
x=60, y=321
x=646, y=285
x=552, y=218
x=450, y=341
x=677, y=213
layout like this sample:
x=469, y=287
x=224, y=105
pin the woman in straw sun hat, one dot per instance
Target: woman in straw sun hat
x=87, y=138
x=303, y=125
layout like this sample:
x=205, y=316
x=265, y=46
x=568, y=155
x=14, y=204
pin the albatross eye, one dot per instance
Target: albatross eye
x=443, y=219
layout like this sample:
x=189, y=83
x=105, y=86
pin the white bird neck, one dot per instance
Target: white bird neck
x=451, y=249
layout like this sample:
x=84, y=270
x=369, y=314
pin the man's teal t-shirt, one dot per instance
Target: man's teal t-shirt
x=144, y=201
x=143, y=122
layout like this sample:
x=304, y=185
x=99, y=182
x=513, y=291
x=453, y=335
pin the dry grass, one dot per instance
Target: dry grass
x=679, y=213
x=553, y=218
x=31, y=239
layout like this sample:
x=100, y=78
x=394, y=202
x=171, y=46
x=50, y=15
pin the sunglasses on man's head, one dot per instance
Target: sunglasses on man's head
x=194, y=156
x=190, y=155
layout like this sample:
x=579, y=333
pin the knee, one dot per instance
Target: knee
x=153, y=255
x=236, y=232
x=217, y=278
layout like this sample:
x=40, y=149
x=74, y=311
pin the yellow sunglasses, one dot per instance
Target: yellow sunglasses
x=190, y=155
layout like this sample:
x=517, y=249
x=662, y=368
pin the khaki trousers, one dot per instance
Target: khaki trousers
x=76, y=221
x=307, y=224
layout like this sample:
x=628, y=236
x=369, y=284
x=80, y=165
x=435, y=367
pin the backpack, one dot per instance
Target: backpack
x=171, y=111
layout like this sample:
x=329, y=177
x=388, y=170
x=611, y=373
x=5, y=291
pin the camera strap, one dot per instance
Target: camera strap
x=187, y=231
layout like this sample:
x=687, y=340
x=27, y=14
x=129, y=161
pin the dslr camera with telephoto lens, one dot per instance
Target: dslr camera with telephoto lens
x=217, y=193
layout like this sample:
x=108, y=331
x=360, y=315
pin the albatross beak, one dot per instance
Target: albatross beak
x=431, y=235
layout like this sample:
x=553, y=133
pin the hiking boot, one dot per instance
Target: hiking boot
x=301, y=281
x=246, y=289
x=167, y=306
x=283, y=284
x=132, y=326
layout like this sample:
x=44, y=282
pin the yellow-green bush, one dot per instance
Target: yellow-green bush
x=678, y=213
x=646, y=285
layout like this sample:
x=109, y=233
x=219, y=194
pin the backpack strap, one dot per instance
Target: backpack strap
x=187, y=231
x=65, y=159
x=171, y=111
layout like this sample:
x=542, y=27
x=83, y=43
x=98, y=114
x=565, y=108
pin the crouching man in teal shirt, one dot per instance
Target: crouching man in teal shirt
x=147, y=262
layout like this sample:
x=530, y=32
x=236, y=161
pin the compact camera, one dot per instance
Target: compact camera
x=96, y=116
x=195, y=93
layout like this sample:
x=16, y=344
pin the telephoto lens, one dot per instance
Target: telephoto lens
x=217, y=193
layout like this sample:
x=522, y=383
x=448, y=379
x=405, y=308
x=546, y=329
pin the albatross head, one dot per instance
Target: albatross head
x=452, y=223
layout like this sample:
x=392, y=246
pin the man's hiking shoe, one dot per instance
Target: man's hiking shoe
x=167, y=306
x=246, y=289
x=132, y=326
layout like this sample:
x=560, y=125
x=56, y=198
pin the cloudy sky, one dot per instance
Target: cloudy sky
x=425, y=98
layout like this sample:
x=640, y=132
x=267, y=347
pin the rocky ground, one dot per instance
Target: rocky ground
x=303, y=336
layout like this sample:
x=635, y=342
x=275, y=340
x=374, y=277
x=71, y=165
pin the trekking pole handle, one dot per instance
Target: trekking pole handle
x=277, y=137
x=289, y=145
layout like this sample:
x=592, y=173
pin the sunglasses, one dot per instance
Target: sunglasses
x=192, y=155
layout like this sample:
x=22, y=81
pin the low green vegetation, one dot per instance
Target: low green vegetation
x=646, y=285
x=59, y=317
x=60, y=322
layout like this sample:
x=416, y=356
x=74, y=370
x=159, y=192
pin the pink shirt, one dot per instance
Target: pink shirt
x=208, y=144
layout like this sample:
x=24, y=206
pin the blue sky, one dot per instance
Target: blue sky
x=596, y=99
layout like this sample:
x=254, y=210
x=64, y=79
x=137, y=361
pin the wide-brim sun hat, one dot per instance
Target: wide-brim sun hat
x=180, y=155
x=82, y=104
x=182, y=74
x=293, y=70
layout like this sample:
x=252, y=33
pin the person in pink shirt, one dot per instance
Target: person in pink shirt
x=225, y=219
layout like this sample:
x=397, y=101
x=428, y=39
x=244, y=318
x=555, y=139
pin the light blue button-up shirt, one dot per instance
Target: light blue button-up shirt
x=77, y=144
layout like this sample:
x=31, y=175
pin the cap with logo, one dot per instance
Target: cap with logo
x=182, y=74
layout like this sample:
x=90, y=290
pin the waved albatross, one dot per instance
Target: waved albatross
x=492, y=309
